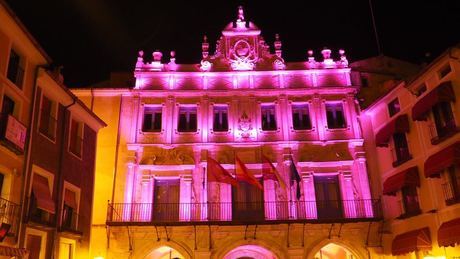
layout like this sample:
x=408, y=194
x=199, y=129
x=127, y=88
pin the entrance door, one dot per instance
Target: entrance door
x=166, y=200
x=328, y=201
x=248, y=202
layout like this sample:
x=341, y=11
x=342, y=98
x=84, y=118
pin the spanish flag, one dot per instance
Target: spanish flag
x=216, y=173
x=269, y=171
x=243, y=174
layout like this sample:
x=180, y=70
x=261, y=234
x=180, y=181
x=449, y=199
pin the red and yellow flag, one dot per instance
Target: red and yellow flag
x=216, y=173
x=243, y=174
x=269, y=171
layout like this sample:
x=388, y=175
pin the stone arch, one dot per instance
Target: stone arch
x=358, y=253
x=149, y=248
x=232, y=245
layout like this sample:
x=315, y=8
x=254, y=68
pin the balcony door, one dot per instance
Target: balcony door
x=166, y=200
x=328, y=202
x=247, y=202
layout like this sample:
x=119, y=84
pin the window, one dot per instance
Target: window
x=187, y=119
x=444, y=71
x=364, y=81
x=166, y=200
x=248, y=202
x=301, y=117
x=76, y=137
x=69, y=210
x=327, y=192
x=268, y=117
x=41, y=206
x=152, y=119
x=420, y=90
x=15, y=72
x=393, y=107
x=220, y=122
x=47, y=118
x=410, y=201
x=335, y=116
x=401, y=149
x=8, y=106
x=451, y=187
x=444, y=120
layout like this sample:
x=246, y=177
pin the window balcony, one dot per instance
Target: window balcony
x=451, y=196
x=12, y=133
x=69, y=222
x=9, y=214
x=441, y=133
x=39, y=217
x=243, y=213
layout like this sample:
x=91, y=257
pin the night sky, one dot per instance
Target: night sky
x=91, y=38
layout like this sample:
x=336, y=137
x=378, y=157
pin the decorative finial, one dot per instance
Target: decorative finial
x=141, y=53
x=173, y=54
x=205, y=39
x=326, y=53
x=140, y=59
x=205, y=47
x=240, y=13
x=277, y=45
x=172, y=66
x=157, y=55
x=310, y=53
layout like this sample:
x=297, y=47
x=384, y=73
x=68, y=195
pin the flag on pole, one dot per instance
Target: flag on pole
x=295, y=177
x=216, y=173
x=243, y=174
x=269, y=171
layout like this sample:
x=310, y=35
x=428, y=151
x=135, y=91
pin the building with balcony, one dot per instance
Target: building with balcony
x=413, y=132
x=47, y=153
x=59, y=186
x=19, y=58
x=243, y=155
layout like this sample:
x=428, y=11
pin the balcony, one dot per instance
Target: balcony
x=243, y=213
x=12, y=133
x=451, y=196
x=440, y=133
x=9, y=214
x=39, y=217
x=69, y=222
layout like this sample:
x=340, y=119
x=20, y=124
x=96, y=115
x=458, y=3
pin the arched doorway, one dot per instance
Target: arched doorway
x=334, y=251
x=165, y=252
x=250, y=252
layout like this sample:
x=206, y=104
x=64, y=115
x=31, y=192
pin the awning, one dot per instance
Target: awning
x=443, y=93
x=70, y=199
x=415, y=240
x=42, y=193
x=398, y=125
x=449, y=233
x=408, y=177
x=13, y=251
x=436, y=163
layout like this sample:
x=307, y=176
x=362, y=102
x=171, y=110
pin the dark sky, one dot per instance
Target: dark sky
x=91, y=38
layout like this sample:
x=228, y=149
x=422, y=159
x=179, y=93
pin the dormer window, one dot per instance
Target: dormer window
x=394, y=107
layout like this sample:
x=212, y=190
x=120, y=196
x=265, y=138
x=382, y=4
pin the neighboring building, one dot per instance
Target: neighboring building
x=412, y=132
x=155, y=160
x=47, y=153
x=376, y=76
x=19, y=58
x=60, y=184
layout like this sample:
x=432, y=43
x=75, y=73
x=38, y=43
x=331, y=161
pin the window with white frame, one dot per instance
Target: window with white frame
x=152, y=119
x=47, y=123
x=70, y=209
x=268, y=117
x=76, y=137
x=220, y=118
x=187, y=119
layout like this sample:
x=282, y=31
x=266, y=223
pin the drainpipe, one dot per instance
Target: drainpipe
x=26, y=167
x=60, y=183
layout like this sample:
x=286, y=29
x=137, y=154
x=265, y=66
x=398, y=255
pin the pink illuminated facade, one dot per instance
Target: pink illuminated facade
x=241, y=101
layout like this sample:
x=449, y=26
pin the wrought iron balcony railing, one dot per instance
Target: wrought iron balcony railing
x=451, y=195
x=9, y=214
x=242, y=213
